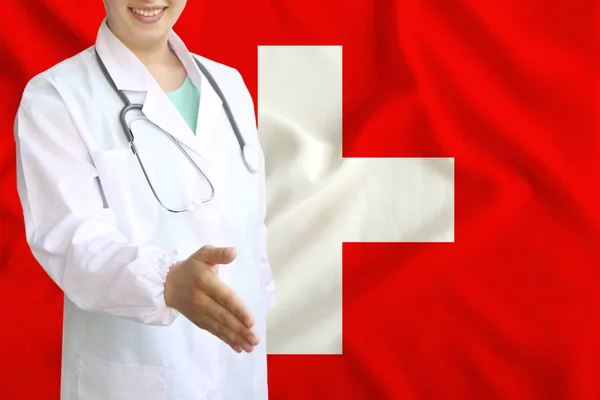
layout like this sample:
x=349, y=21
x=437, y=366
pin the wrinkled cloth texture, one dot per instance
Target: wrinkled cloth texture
x=332, y=199
x=510, y=309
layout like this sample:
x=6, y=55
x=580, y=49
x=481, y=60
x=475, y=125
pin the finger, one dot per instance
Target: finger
x=229, y=323
x=212, y=255
x=212, y=326
x=225, y=296
x=228, y=335
x=237, y=348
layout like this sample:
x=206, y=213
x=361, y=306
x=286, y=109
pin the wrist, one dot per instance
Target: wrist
x=169, y=292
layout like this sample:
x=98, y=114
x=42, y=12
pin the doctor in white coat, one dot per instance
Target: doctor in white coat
x=148, y=313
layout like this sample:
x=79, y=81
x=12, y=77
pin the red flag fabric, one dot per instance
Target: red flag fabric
x=511, y=310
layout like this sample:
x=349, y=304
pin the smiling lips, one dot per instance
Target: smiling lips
x=148, y=15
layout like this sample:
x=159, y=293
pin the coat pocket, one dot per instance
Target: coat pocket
x=103, y=380
x=127, y=192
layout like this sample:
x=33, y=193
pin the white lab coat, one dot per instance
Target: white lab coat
x=94, y=226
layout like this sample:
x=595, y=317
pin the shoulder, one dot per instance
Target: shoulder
x=50, y=82
x=44, y=109
x=228, y=78
x=221, y=72
x=216, y=67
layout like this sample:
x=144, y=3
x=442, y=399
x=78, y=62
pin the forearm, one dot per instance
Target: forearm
x=100, y=271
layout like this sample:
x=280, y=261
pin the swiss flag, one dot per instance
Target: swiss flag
x=511, y=310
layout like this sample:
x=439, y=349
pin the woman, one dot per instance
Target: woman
x=148, y=313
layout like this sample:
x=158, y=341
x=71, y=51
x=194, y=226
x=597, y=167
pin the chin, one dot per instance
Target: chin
x=150, y=38
x=149, y=33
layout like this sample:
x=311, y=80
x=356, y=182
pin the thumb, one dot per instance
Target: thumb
x=212, y=255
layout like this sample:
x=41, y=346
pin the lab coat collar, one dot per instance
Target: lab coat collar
x=125, y=69
x=130, y=74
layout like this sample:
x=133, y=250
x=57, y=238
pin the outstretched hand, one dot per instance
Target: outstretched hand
x=194, y=289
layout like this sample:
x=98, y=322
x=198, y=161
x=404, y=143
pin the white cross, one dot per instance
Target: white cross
x=317, y=199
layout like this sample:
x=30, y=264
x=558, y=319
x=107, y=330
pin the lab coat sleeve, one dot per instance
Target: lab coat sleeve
x=70, y=233
x=266, y=273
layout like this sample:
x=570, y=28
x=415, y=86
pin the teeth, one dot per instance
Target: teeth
x=147, y=13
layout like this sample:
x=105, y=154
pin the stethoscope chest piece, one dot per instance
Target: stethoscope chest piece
x=251, y=158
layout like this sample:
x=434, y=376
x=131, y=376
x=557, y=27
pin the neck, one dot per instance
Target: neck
x=150, y=54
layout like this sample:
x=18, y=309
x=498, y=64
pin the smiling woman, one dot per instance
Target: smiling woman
x=143, y=24
x=148, y=314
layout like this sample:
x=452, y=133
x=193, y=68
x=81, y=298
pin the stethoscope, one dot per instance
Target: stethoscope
x=249, y=154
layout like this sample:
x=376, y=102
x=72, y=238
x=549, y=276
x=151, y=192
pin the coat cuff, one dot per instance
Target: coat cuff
x=159, y=265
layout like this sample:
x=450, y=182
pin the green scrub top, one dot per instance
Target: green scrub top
x=187, y=99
